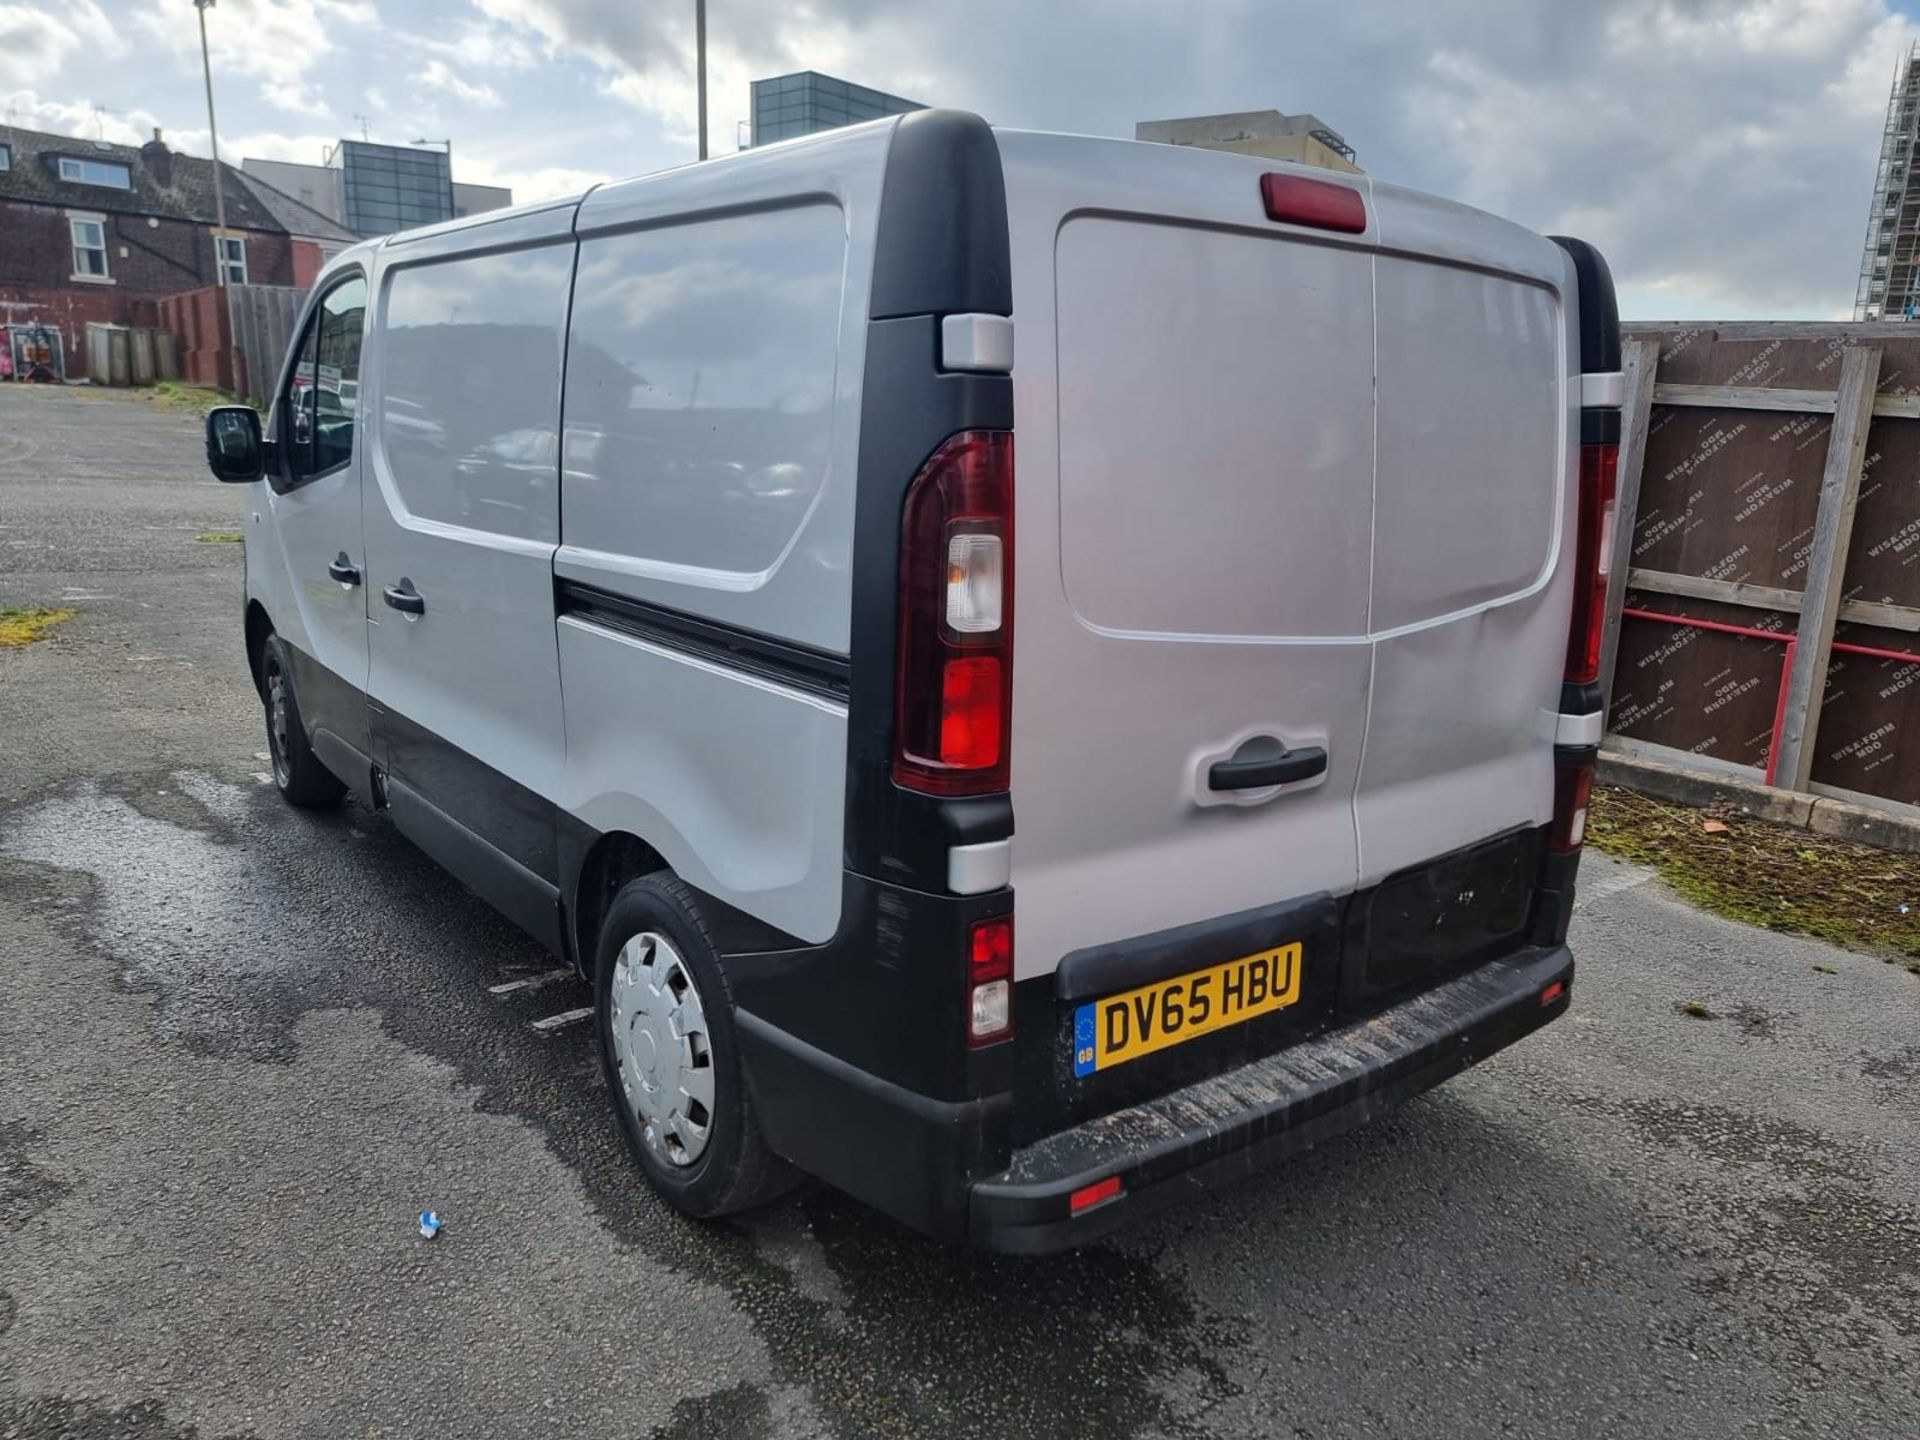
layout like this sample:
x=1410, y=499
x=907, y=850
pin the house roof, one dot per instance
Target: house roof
x=33, y=174
x=295, y=216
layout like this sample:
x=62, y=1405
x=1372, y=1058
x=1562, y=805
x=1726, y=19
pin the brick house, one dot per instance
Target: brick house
x=92, y=232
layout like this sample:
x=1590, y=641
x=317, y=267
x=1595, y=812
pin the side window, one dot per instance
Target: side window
x=296, y=408
x=323, y=393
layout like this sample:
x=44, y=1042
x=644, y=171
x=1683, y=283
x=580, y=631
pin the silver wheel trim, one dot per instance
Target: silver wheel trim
x=660, y=1040
x=277, y=725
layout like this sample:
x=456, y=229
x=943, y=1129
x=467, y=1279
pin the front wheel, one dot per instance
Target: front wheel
x=671, y=1055
x=297, y=771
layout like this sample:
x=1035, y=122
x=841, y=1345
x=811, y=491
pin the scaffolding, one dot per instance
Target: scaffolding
x=1889, y=286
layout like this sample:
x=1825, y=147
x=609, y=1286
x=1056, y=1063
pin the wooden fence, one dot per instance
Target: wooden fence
x=1764, y=614
x=263, y=318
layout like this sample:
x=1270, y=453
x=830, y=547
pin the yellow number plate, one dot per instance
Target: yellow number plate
x=1124, y=1027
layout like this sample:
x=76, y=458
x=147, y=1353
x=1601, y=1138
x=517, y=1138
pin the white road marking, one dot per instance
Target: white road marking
x=511, y=987
x=565, y=1018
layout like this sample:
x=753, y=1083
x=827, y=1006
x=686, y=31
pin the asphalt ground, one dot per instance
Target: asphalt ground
x=242, y=1047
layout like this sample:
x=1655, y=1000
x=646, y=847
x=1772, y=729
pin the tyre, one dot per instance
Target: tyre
x=297, y=771
x=672, y=1056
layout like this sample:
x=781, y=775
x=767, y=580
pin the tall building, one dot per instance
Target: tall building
x=1889, y=286
x=1303, y=139
x=376, y=189
x=790, y=105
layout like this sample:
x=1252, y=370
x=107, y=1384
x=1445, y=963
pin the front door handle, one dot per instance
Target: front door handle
x=1286, y=768
x=404, y=598
x=342, y=570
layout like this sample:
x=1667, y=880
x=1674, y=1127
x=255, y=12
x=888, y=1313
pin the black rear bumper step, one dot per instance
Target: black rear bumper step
x=1220, y=1130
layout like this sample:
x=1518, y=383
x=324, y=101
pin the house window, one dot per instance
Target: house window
x=95, y=172
x=6, y=157
x=230, y=253
x=89, y=249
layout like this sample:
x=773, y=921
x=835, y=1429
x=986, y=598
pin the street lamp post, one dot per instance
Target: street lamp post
x=700, y=67
x=213, y=139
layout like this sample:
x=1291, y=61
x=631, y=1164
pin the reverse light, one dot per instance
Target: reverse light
x=955, y=667
x=975, y=581
x=1593, y=560
x=990, y=981
x=1572, y=790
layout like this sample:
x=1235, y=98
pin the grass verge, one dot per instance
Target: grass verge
x=1774, y=876
x=23, y=627
x=219, y=537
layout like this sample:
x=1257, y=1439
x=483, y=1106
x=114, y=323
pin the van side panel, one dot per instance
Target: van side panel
x=713, y=394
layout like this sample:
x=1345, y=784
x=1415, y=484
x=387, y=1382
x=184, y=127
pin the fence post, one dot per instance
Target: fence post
x=1827, y=565
x=1641, y=360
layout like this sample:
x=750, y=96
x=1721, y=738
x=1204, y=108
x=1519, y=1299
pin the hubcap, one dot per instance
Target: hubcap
x=277, y=723
x=660, y=1040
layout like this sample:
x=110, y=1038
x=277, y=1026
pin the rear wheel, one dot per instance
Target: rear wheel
x=297, y=771
x=670, y=1051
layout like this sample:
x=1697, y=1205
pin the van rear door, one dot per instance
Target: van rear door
x=1194, y=500
x=1474, y=484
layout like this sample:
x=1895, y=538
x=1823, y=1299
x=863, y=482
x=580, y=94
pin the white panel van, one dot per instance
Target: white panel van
x=1034, y=675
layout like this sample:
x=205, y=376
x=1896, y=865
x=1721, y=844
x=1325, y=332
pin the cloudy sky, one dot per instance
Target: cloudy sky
x=1719, y=151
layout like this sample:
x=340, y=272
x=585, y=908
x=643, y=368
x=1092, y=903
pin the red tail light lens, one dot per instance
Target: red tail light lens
x=1572, y=790
x=990, y=981
x=1593, y=559
x=956, y=619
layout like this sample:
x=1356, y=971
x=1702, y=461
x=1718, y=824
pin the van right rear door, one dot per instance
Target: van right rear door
x=1194, y=483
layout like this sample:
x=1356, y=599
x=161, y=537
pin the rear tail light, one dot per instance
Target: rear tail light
x=990, y=981
x=1572, y=790
x=1593, y=559
x=955, y=674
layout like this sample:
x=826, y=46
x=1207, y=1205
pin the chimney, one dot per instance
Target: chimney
x=158, y=160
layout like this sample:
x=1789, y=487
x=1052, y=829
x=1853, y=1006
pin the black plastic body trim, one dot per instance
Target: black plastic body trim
x=1599, y=312
x=899, y=1151
x=1200, y=1139
x=516, y=892
x=786, y=662
x=941, y=247
x=1580, y=699
x=1599, y=425
x=333, y=709
x=1128, y=964
x=515, y=822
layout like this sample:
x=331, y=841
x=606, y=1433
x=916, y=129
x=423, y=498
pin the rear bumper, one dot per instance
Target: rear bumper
x=922, y=1160
x=1220, y=1130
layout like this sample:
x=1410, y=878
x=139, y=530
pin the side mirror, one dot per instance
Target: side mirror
x=234, y=449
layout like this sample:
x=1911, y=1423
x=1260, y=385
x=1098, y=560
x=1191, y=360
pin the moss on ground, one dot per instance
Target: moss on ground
x=23, y=627
x=1774, y=876
x=219, y=537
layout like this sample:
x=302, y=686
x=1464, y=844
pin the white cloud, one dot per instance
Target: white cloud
x=438, y=75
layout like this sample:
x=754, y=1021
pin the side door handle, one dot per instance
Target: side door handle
x=1286, y=768
x=404, y=598
x=342, y=570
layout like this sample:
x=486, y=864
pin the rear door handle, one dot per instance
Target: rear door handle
x=1286, y=768
x=342, y=570
x=404, y=598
